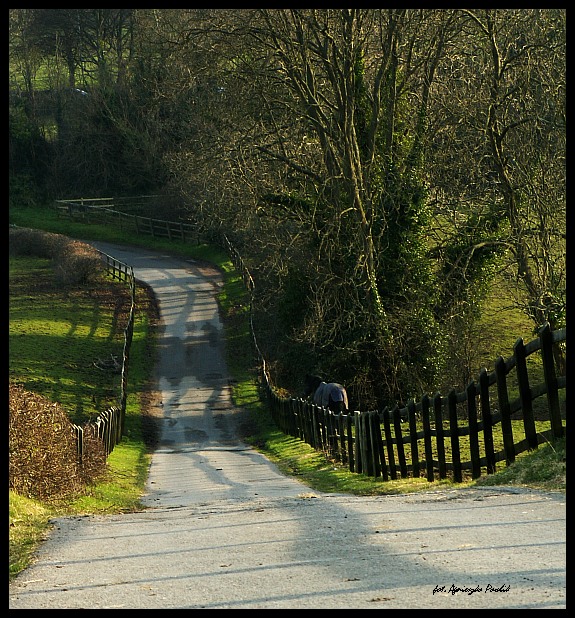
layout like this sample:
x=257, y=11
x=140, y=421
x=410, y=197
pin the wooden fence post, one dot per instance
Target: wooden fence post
x=79, y=431
x=350, y=441
x=439, y=435
x=399, y=442
x=413, y=438
x=379, y=445
x=546, y=339
x=315, y=428
x=373, y=422
x=455, y=453
x=292, y=417
x=309, y=423
x=358, y=442
x=366, y=445
x=427, y=438
x=503, y=397
x=525, y=393
x=332, y=442
x=305, y=423
x=473, y=430
x=341, y=428
x=487, y=421
x=387, y=415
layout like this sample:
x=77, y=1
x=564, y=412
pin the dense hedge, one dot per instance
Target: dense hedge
x=75, y=262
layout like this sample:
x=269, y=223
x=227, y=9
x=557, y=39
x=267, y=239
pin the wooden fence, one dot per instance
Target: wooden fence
x=422, y=438
x=425, y=438
x=104, y=211
x=109, y=425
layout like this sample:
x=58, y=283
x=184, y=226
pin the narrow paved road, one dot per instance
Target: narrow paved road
x=223, y=529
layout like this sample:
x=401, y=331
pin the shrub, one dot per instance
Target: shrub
x=26, y=241
x=43, y=460
x=77, y=263
x=74, y=262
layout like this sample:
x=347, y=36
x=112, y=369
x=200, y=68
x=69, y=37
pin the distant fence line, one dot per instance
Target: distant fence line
x=423, y=437
x=104, y=210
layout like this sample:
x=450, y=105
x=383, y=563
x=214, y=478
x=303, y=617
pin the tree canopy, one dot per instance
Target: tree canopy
x=376, y=168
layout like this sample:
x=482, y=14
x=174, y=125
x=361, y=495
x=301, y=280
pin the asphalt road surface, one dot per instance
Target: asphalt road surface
x=224, y=529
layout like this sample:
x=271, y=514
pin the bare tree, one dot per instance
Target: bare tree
x=527, y=141
x=499, y=130
x=345, y=131
x=357, y=84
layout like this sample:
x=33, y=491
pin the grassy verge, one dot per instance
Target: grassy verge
x=29, y=522
x=120, y=492
x=55, y=335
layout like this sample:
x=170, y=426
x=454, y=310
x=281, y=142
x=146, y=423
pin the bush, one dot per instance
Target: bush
x=77, y=263
x=26, y=241
x=74, y=262
x=43, y=459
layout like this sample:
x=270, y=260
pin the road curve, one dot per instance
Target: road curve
x=223, y=529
